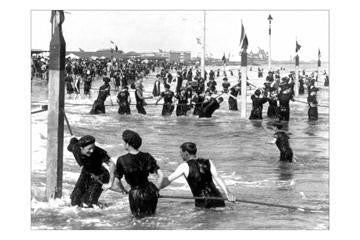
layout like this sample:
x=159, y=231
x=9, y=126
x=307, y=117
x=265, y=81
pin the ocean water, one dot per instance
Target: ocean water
x=238, y=147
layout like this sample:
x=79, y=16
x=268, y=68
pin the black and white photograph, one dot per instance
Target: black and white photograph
x=180, y=119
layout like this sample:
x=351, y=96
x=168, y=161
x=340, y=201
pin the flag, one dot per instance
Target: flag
x=298, y=46
x=198, y=41
x=223, y=58
x=245, y=43
x=61, y=16
x=242, y=35
x=116, y=48
x=111, y=42
x=57, y=18
x=81, y=50
x=319, y=61
x=160, y=50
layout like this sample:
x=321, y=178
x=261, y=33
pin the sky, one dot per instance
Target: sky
x=148, y=31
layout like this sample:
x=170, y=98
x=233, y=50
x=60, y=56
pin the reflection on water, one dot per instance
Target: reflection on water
x=238, y=147
x=285, y=171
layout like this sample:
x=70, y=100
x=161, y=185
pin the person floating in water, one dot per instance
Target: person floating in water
x=135, y=167
x=104, y=92
x=199, y=174
x=96, y=168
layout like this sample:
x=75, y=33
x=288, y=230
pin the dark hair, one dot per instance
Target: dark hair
x=189, y=147
x=132, y=138
x=166, y=86
x=86, y=140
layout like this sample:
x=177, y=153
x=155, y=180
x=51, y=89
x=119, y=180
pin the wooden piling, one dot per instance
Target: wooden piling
x=55, y=132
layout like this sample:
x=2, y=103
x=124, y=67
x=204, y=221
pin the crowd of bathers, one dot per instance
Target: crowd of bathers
x=194, y=93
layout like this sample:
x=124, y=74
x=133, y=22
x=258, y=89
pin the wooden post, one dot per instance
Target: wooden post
x=296, y=88
x=55, y=132
x=203, y=52
x=243, y=83
x=269, y=60
x=318, y=69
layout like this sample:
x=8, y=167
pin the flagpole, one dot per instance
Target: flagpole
x=318, y=69
x=297, y=63
x=203, y=53
x=243, y=79
x=269, y=64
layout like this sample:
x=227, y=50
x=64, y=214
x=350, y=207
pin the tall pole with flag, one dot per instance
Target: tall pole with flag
x=203, y=48
x=112, y=50
x=243, y=45
x=224, y=61
x=269, y=64
x=297, y=61
x=56, y=113
x=318, y=67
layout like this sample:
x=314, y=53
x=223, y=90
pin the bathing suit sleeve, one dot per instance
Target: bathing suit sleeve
x=152, y=165
x=119, y=171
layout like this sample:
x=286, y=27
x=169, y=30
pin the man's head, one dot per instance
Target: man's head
x=87, y=145
x=220, y=100
x=187, y=149
x=167, y=86
x=131, y=139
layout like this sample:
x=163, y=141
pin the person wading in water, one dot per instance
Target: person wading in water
x=199, y=174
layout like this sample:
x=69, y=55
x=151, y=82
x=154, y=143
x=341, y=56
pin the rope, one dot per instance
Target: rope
x=43, y=109
x=318, y=105
x=304, y=209
x=68, y=125
x=244, y=201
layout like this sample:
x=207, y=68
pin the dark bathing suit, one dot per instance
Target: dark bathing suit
x=168, y=106
x=143, y=195
x=201, y=183
x=139, y=103
x=87, y=190
x=124, y=106
x=99, y=104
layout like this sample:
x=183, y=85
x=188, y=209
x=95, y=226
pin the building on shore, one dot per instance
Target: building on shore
x=180, y=56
